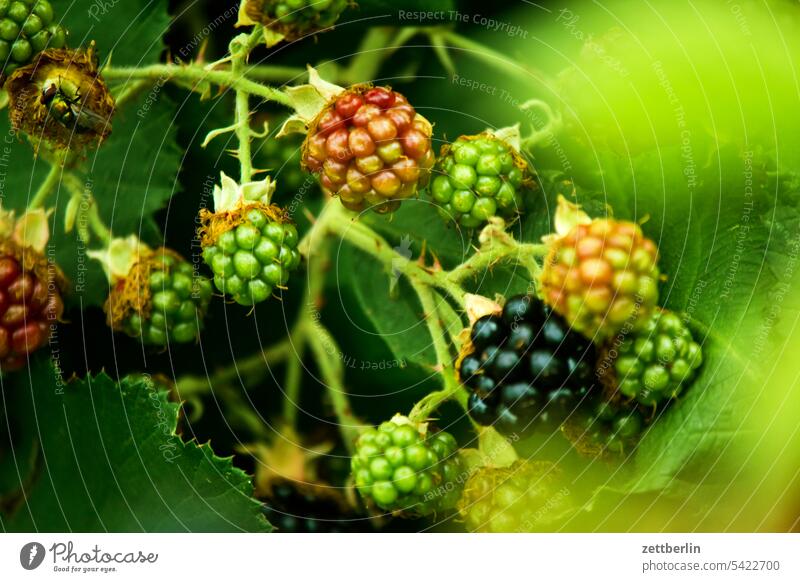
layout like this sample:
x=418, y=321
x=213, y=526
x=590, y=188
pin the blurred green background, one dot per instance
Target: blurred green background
x=682, y=115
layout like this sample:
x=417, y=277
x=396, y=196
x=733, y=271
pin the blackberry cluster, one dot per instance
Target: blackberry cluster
x=524, y=497
x=29, y=305
x=176, y=301
x=294, y=19
x=601, y=277
x=657, y=360
x=27, y=27
x=477, y=178
x=371, y=148
x=527, y=369
x=253, y=258
x=402, y=468
x=305, y=509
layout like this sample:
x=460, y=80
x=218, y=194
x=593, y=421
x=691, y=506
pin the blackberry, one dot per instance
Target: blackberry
x=371, y=148
x=602, y=276
x=527, y=496
x=250, y=245
x=161, y=300
x=609, y=427
x=400, y=467
x=30, y=303
x=293, y=19
x=479, y=177
x=301, y=508
x=27, y=27
x=657, y=360
x=525, y=368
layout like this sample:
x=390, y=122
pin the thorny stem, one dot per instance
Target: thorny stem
x=483, y=259
x=326, y=354
x=326, y=351
x=240, y=48
x=425, y=407
x=369, y=241
x=196, y=74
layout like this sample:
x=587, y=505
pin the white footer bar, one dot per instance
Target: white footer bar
x=401, y=557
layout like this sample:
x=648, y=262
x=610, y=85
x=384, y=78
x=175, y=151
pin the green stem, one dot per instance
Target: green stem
x=494, y=59
x=508, y=249
x=131, y=90
x=452, y=389
x=378, y=44
x=294, y=376
x=247, y=368
x=197, y=73
x=240, y=48
x=97, y=225
x=274, y=73
x=47, y=187
x=372, y=243
x=326, y=354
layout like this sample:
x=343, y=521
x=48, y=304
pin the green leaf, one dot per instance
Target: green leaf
x=392, y=306
x=131, y=30
x=113, y=462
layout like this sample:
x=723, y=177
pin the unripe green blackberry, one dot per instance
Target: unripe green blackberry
x=602, y=276
x=402, y=468
x=527, y=496
x=26, y=28
x=250, y=253
x=162, y=300
x=607, y=427
x=370, y=148
x=478, y=177
x=657, y=360
x=293, y=19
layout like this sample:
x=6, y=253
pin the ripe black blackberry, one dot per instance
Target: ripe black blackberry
x=526, y=369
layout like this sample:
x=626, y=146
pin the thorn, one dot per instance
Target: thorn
x=437, y=266
x=421, y=259
x=201, y=54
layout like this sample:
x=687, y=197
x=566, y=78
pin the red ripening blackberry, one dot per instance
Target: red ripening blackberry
x=371, y=148
x=30, y=302
x=527, y=369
